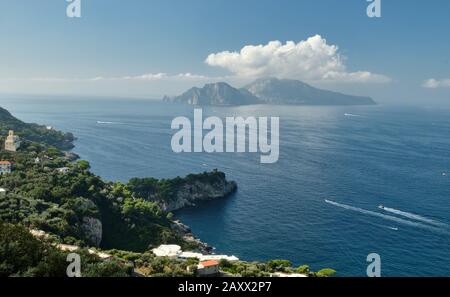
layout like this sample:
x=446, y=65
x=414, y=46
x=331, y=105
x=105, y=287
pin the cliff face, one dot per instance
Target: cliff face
x=215, y=94
x=196, y=191
x=92, y=228
x=176, y=193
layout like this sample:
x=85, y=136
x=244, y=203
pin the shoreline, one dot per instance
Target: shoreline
x=124, y=218
x=177, y=225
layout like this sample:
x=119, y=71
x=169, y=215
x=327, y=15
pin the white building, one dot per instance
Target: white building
x=63, y=170
x=167, y=250
x=218, y=258
x=201, y=257
x=12, y=142
x=190, y=255
x=174, y=251
x=5, y=167
x=2, y=192
x=206, y=268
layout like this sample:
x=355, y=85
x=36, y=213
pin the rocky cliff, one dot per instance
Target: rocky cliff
x=214, y=94
x=173, y=194
x=92, y=228
x=196, y=191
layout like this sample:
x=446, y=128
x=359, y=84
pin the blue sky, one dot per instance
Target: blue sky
x=146, y=48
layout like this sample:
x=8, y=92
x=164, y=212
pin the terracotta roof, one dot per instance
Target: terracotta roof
x=209, y=263
x=5, y=163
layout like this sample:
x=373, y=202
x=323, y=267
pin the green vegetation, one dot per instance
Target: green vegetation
x=78, y=208
x=34, y=132
x=41, y=197
x=166, y=190
x=148, y=264
x=326, y=272
x=21, y=254
x=259, y=269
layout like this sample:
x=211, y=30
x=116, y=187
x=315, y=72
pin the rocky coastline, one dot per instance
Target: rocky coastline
x=198, y=190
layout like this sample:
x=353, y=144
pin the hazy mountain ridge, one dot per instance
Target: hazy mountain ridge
x=266, y=91
x=286, y=91
x=215, y=94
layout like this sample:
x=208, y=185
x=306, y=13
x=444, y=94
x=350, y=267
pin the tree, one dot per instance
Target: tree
x=279, y=265
x=110, y=268
x=22, y=254
x=326, y=272
x=83, y=165
x=304, y=269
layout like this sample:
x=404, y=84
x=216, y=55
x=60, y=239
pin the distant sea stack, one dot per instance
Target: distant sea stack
x=266, y=91
x=215, y=94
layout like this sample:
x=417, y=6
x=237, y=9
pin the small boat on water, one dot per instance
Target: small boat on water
x=381, y=206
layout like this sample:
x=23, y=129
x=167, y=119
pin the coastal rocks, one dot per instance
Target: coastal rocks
x=180, y=228
x=202, y=247
x=176, y=193
x=70, y=156
x=185, y=232
x=199, y=190
x=92, y=229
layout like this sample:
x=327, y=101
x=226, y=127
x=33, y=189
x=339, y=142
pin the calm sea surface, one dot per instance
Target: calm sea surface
x=317, y=205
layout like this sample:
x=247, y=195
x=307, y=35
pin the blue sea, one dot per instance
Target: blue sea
x=318, y=205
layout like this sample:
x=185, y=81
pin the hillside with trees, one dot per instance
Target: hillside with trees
x=49, y=192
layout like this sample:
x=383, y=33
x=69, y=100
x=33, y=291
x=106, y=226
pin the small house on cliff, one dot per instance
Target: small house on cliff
x=208, y=268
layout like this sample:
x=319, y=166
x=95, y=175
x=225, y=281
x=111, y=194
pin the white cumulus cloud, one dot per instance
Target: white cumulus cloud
x=312, y=60
x=436, y=83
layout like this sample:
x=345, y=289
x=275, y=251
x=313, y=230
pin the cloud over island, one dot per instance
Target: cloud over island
x=312, y=59
x=309, y=60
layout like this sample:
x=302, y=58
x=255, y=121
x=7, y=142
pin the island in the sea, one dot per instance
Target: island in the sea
x=51, y=204
x=266, y=91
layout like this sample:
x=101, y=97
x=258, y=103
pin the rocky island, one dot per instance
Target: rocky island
x=266, y=91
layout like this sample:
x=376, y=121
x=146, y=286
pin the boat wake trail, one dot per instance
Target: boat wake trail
x=106, y=123
x=414, y=217
x=388, y=217
x=352, y=115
